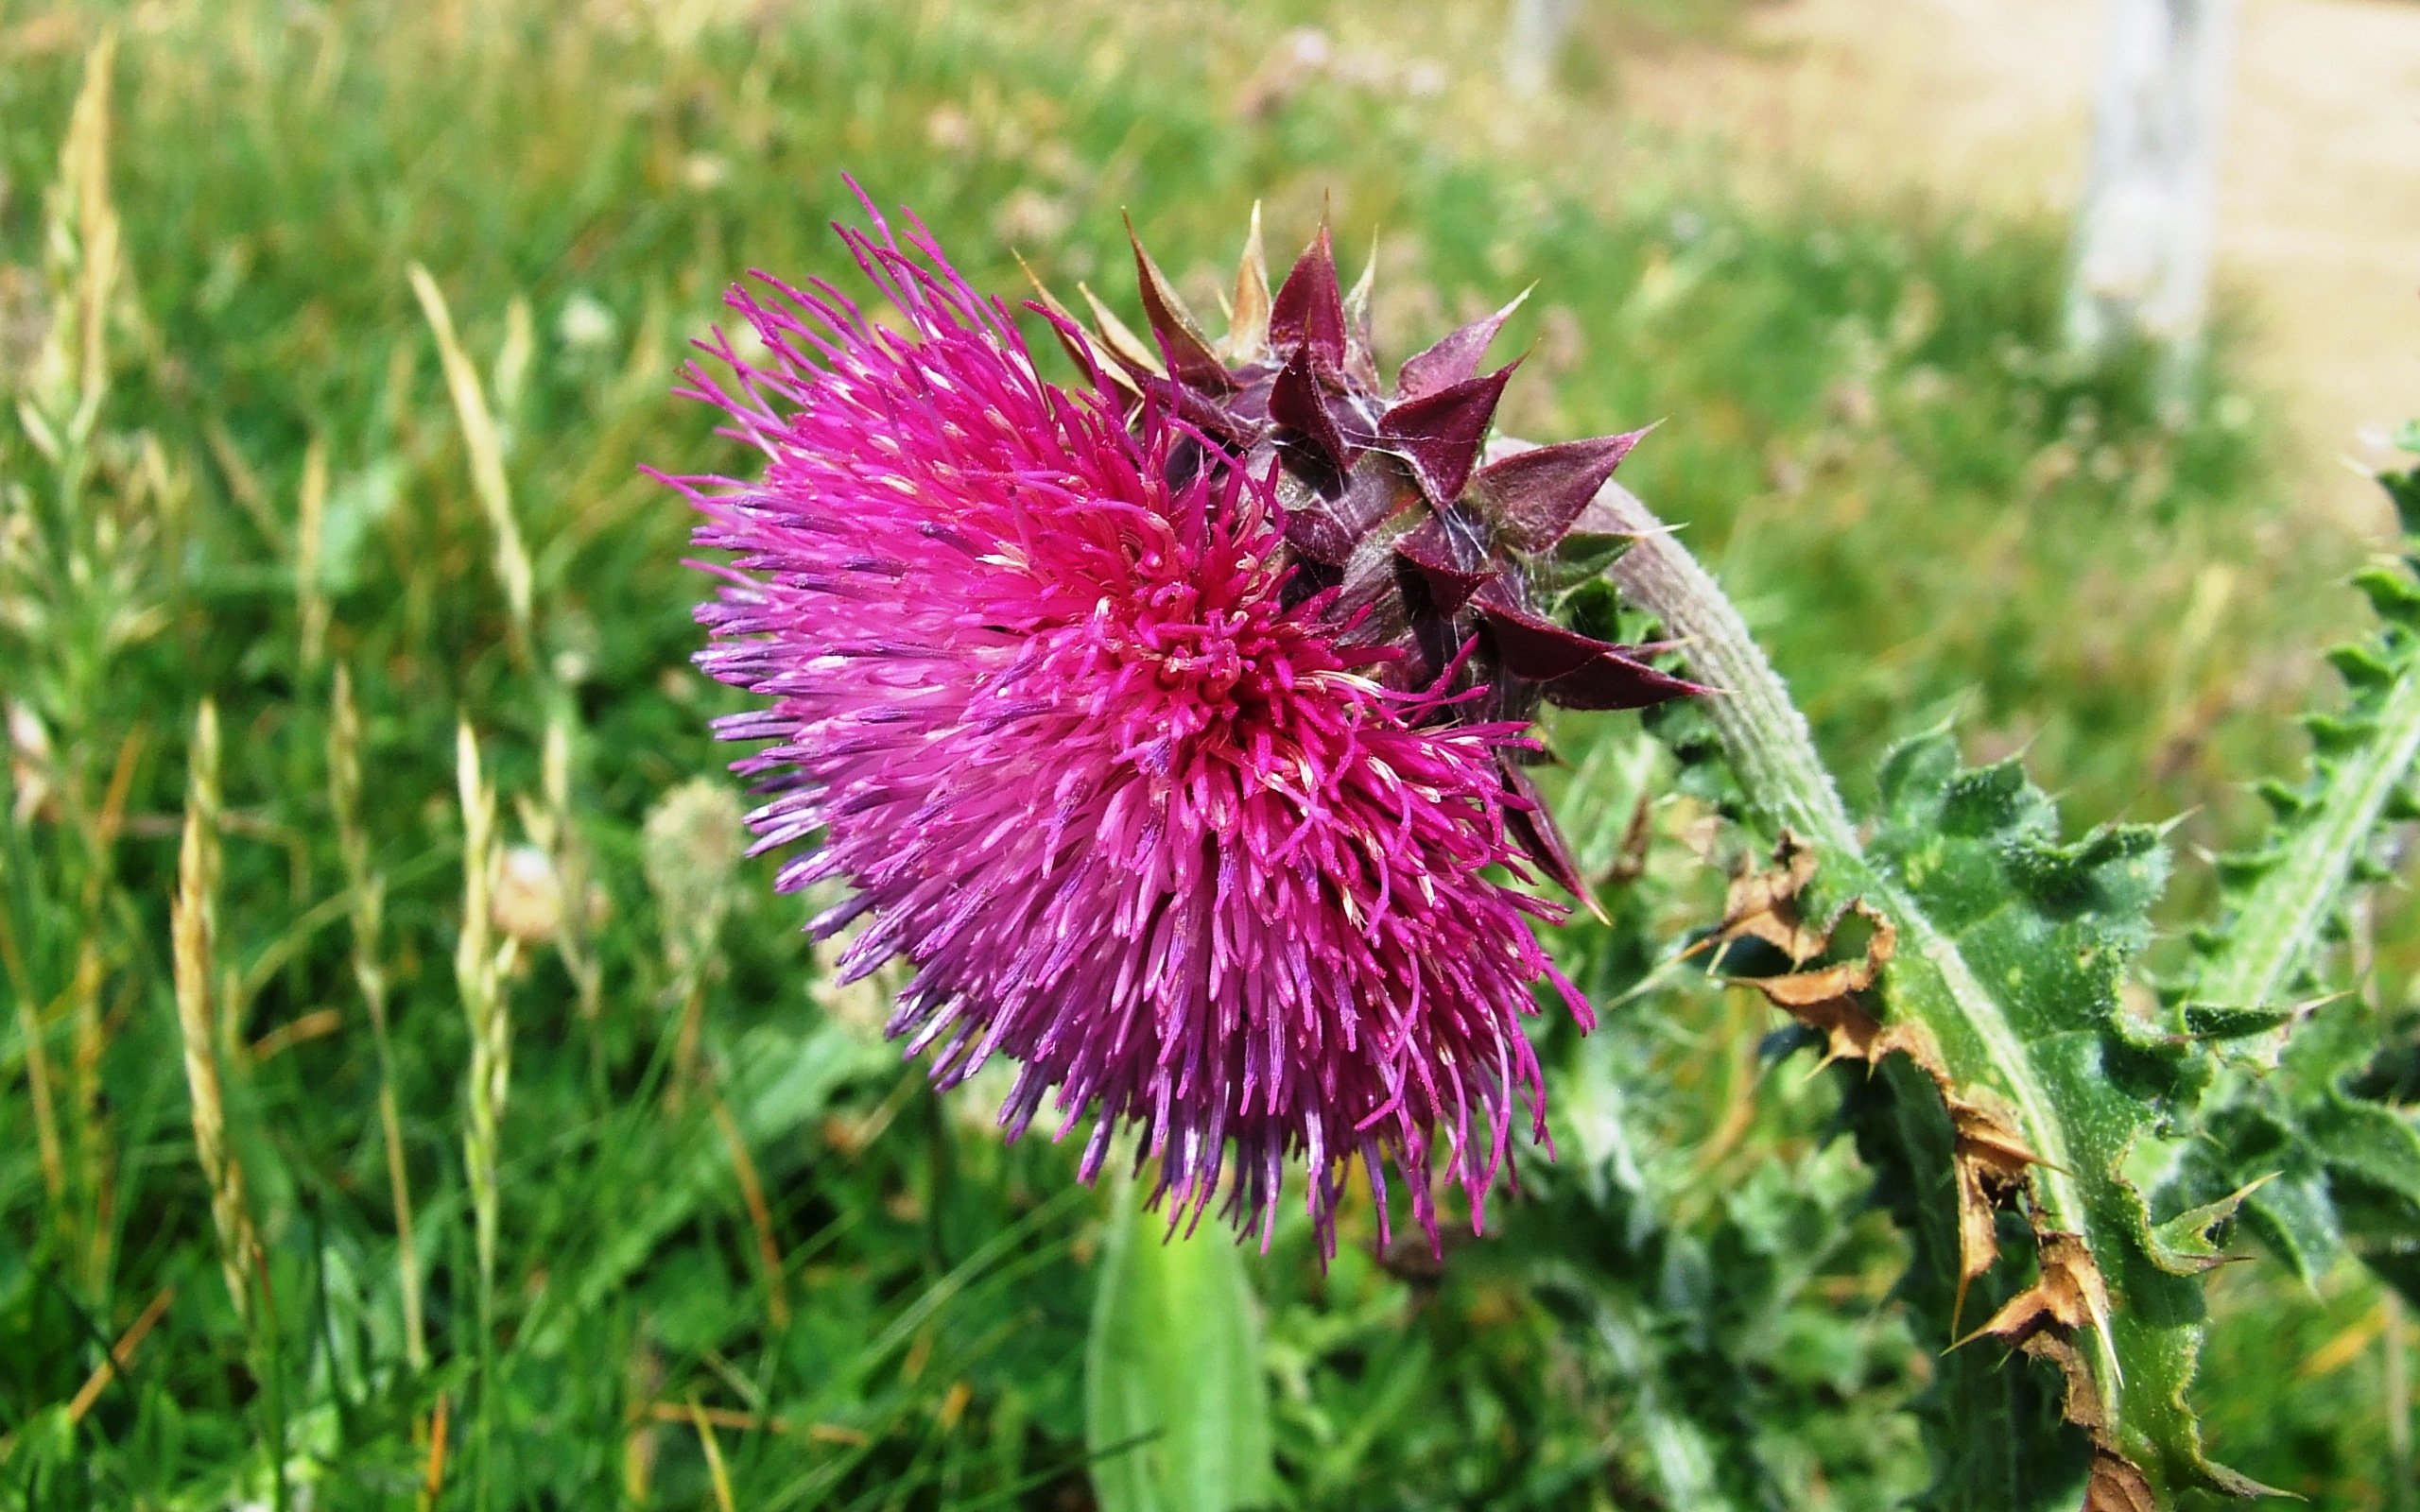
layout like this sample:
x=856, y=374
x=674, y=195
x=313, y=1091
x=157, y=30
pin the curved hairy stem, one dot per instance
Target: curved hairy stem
x=1773, y=752
x=1763, y=736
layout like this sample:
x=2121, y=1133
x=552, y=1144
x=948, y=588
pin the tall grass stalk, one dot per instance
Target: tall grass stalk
x=61, y=563
x=193, y=930
x=71, y=376
x=367, y=894
x=193, y=923
x=97, y=1163
x=95, y=1160
x=479, y=964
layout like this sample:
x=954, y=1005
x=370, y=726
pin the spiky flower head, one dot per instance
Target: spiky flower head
x=1045, y=674
x=1447, y=559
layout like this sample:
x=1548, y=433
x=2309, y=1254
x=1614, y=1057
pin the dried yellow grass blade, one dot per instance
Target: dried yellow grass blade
x=121, y=1355
x=486, y=446
x=760, y=1213
x=715, y=1468
x=84, y=227
x=310, y=529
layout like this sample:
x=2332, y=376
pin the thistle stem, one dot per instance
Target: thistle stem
x=1764, y=736
x=2277, y=927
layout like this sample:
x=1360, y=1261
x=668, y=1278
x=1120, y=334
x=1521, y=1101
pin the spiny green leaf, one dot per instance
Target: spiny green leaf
x=2361, y=666
x=2185, y=1245
x=2391, y=594
x=2010, y=1010
x=2345, y=1172
x=2205, y=1021
x=2285, y=1112
x=2020, y=986
x=2031, y=1459
x=2334, y=735
x=2016, y=1088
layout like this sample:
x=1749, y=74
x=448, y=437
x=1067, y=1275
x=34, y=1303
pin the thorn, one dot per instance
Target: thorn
x=1356, y=301
x=2169, y=826
x=1188, y=353
x=1041, y=291
x=1080, y=348
x=1248, y=319
x=1119, y=336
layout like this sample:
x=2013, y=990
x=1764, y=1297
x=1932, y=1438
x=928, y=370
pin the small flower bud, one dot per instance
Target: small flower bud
x=528, y=903
x=691, y=847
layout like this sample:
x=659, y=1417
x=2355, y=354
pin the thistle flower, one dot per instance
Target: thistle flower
x=1043, y=675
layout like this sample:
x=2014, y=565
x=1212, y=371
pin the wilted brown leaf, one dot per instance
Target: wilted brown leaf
x=2117, y=1486
x=1764, y=904
x=2068, y=1294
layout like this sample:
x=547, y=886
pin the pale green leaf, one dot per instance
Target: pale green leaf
x=1176, y=1397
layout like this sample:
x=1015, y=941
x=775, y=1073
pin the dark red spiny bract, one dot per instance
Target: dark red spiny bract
x=1046, y=684
x=1484, y=571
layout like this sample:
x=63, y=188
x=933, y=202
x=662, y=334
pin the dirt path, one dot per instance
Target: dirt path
x=2318, y=229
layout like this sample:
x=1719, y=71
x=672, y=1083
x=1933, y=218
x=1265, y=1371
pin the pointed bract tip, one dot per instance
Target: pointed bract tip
x=1455, y=356
x=1537, y=495
x=1308, y=310
x=1248, y=326
x=1081, y=349
x=1187, y=353
x=1358, y=359
x=1573, y=671
x=1119, y=337
x=1357, y=300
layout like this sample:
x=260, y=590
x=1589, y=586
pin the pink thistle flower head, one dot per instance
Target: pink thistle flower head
x=1041, y=686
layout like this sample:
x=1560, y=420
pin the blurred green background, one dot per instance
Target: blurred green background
x=745, y=1259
